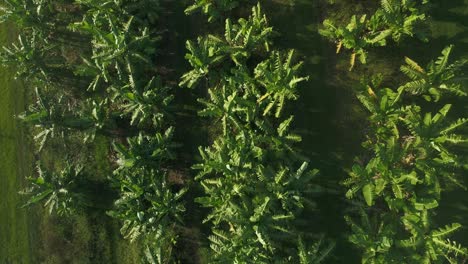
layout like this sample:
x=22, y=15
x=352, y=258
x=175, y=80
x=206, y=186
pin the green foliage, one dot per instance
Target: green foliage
x=279, y=78
x=399, y=19
x=40, y=61
x=116, y=44
x=314, y=254
x=145, y=12
x=43, y=15
x=254, y=200
x=43, y=52
x=214, y=9
x=25, y=12
x=149, y=206
x=93, y=65
x=413, y=155
x=27, y=58
x=116, y=50
x=120, y=62
x=59, y=192
x=146, y=151
x=437, y=78
x=148, y=104
x=159, y=250
x=239, y=42
x=255, y=182
x=350, y=37
x=394, y=20
x=58, y=117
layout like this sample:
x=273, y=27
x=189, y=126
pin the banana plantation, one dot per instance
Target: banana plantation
x=234, y=131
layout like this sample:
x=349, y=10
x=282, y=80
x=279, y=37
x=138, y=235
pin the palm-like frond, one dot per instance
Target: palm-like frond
x=393, y=20
x=436, y=79
x=57, y=191
x=213, y=9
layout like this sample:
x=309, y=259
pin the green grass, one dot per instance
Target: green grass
x=14, y=221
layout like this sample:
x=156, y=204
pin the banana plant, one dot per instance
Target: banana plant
x=46, y=19
x=392, y=181
x=27, y=14
x=381, y=177
x=159, y=249
x=121, y=63
x=384, y=106
x=226, y=105
x=59, y=192
x=28, y=56
x=394, y=19
x=378, y=237
x=148, y=205
x=390, y=237
x=121, y=46
x=352, y=37
x=374, y=235
x=437, y=137
x=58, y=117
x=256, y=202
x=144, y=103
x=214, y=9
x=42, y=62
x=315, y=253
x=116, y=45
x=204, y=54
x=435, y=246
x=397, y=19
x=248, y=35
x=434, y=129
x=146, y=12
x=38, y=13
x=235, y=109
x=279, y=78
x=239, y=42
x=146, y=151
x=439, y=77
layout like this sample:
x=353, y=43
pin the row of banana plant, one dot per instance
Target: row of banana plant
x=415, y=155
x=416, y=149
x=150, y=206
x=91, y=65
x=393, y=20
x=255, y=182
x=415, y=146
